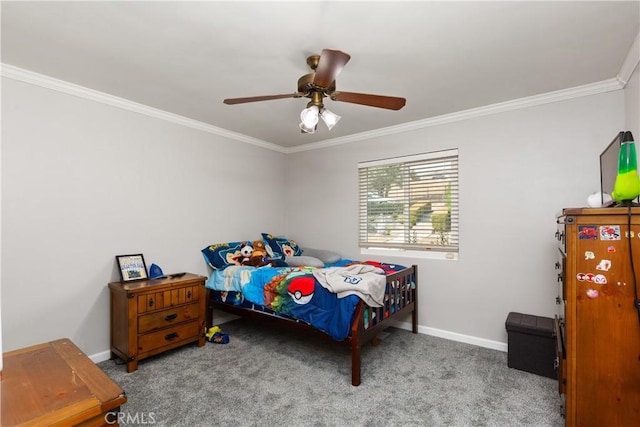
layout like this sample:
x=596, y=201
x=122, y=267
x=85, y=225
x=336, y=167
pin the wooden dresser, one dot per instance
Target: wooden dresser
x=597, y=325
x=56, y=384
x=149, y=317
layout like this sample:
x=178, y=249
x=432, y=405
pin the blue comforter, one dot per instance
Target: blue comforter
x=291, y=291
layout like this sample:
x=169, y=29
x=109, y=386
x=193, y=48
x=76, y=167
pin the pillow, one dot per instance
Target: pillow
x=221, y=255
x=326, y=257
x=280, y=247
x=303, y=260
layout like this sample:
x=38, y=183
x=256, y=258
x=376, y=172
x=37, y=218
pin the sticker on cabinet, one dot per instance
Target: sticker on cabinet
x=588, y=232
x=610, y=232
x=600, y=279
x=592, y=293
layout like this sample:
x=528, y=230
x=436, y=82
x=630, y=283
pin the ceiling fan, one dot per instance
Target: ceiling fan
x=321, y=83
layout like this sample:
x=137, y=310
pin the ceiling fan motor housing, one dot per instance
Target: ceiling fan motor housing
x=305, y=85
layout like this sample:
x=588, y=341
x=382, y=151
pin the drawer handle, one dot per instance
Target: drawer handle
x=150, y=302
x=170, y=317
x=171, y=336
x=189, y=294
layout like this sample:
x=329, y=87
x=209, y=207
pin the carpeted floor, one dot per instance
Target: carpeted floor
x=275, y=377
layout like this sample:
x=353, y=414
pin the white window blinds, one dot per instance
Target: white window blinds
x=410, y=202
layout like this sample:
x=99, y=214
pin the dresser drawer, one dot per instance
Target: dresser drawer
x=172, y=316
x=153, y=340
x=149, y=302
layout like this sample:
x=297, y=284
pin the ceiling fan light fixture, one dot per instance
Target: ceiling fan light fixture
x=329, y=118
x=309, y=117
x=307, y=129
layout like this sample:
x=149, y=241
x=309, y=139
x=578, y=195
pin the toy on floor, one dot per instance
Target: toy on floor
x=212, y=330
x=216, y=336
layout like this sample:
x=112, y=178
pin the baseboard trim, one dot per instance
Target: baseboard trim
x=454, y=336
x=100, y=357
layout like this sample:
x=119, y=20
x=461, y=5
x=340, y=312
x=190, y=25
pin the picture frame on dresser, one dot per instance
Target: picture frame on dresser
x=132, y=267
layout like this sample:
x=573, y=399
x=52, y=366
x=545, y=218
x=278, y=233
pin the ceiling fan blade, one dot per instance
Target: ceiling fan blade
x=231, y=101
x=388, y=102
x=329, y=66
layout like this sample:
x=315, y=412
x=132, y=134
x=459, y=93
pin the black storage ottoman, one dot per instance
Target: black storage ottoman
x=531, y=341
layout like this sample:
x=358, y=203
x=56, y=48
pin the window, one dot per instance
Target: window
x=410, y=203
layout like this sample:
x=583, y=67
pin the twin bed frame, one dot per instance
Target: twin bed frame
x=368, y=322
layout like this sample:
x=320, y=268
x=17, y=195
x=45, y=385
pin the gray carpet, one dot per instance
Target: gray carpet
x=267, y=377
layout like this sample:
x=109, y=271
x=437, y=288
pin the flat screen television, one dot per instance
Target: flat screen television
x=609, y=168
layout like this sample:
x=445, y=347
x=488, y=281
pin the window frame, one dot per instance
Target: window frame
x=409, y=164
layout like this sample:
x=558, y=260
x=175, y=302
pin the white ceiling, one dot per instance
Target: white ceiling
x=443, y=57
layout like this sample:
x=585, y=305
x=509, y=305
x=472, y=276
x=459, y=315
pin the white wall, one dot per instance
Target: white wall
x=83, y=182
x=632, y=105
x=518, y=169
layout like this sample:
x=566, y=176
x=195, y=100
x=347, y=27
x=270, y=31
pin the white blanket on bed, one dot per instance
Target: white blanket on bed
x=365, y=281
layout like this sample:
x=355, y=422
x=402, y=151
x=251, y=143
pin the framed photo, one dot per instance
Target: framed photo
x=132, y=267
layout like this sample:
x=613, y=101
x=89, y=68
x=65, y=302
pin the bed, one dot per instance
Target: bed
x=335, y=301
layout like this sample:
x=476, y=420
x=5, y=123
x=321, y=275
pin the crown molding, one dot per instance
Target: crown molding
x=630, y=63
x=47, y=82
x=41, y=80
x=517, y=104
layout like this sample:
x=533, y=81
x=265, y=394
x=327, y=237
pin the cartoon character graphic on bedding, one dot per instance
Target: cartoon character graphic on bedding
x=294, y=286
x=293, y=292
x=271, y=289
x=231, y=253
x=234, y=298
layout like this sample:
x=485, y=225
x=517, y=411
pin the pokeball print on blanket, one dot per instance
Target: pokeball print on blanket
x=301, y=289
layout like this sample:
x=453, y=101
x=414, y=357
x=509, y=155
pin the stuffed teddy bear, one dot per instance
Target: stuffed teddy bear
x=259, y=248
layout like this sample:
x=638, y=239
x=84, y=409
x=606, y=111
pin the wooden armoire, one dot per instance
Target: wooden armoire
x=598, y=322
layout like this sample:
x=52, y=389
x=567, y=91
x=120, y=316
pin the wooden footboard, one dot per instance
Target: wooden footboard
x=400, y=300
